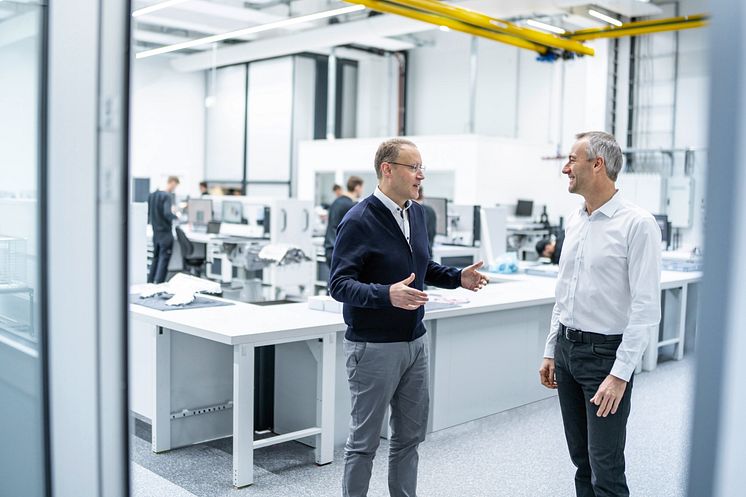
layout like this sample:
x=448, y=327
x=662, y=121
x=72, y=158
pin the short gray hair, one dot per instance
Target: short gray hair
x=388, y=151
x=600, y=144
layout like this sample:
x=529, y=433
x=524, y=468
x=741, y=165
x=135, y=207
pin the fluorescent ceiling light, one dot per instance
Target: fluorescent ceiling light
x=545, y=26
x=246, y=31
x=604, y=17
x=156, y=7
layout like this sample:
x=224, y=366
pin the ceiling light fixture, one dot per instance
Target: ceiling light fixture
x=246, y=31
x=605, y=18
x=545, y=27
x=156, y=7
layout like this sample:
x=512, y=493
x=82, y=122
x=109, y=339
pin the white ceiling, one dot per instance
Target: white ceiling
x=192, y=19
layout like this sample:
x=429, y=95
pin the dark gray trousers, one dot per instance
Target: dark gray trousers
x=163, y=242
x=379, y=375
x=596, y=444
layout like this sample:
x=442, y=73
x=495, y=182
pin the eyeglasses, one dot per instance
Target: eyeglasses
x=413, y=167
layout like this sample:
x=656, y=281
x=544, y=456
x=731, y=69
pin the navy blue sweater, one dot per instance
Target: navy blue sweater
x=371, y=254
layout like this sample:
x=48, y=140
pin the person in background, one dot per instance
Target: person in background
x=337, y=190
x=203, y=188
x=337, y=211
x=379, y=266
x=161, y=214
x=608, y=302
x=431, y=221
x=551, y=249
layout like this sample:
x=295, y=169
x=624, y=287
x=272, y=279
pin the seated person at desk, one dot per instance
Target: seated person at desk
x=551, y=249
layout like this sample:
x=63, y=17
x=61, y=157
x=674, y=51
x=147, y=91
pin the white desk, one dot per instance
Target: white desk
x=497, y=337
x=676, y=284
x=194, y=390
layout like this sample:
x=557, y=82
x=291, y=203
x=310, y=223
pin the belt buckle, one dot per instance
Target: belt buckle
x=574, y=335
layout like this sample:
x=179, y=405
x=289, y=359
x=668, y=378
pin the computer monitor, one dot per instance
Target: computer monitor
x=665, y=227
x=440, y=206
x=232, y=211
x=213, y=228
x=200, y=211
x=524, y=208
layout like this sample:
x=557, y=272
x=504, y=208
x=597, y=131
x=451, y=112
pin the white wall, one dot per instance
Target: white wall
x=692, y=112
x=486, y=170
x=376, y=96
x=438, y=85
x=516, y=95
x=167, y=124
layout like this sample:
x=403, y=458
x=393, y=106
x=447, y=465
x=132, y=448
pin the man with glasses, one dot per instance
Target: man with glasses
x=608, y=302
x=379, y=266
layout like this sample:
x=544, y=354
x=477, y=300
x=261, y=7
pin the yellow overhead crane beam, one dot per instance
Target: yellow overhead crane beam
x=641, y=27
x=383, y=6
x=477, y=24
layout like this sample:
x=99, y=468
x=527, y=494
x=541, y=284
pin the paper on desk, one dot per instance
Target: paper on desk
x=183, y=298
x=437, y=298
x=181, y=286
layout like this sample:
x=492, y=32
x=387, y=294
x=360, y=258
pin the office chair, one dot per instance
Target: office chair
x=191, y=263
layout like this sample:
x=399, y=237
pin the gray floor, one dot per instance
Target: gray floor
x=519, y=453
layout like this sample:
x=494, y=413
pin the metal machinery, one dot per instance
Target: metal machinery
x=267, y=256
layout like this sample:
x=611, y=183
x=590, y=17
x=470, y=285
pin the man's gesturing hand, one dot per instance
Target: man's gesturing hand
x=406, y=297
x=471, y=279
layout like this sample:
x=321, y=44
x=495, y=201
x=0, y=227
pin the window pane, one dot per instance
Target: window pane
x=22, y=461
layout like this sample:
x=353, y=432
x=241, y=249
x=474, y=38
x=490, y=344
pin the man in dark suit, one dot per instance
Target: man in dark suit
x=337, y=211
x=161, y=214
x=379, y=266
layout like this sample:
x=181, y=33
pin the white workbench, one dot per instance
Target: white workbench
x=484, y=358
x=194, y=389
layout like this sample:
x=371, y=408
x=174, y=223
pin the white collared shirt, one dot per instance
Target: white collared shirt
x=609, y=279
x=401, y=216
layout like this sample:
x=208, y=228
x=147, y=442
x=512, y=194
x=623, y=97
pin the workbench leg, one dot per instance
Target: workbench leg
x=325, y=399
x=682, y=322
x=243, y=415
x=161, y=422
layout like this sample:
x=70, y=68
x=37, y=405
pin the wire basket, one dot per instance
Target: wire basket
x=12, y=260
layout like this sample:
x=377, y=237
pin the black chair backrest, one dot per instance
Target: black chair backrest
x=185, y=244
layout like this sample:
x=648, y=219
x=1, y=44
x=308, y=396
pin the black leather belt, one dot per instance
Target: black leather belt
x=579, y=336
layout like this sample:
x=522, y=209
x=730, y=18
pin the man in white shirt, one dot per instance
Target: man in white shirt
x=607, y=299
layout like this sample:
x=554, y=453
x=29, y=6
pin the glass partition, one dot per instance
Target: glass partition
x=23, y=463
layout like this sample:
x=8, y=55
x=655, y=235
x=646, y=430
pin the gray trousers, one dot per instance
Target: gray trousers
x=379, y=375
